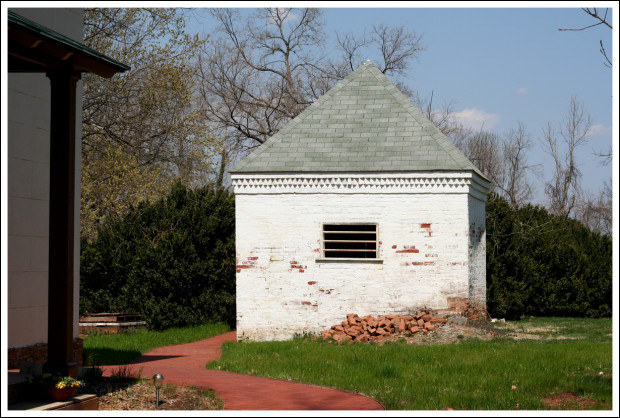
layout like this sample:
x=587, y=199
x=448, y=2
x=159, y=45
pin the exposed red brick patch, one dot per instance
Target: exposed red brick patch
x=427, y=227
x=253, y=258
x=394, y=247
x=306, y=303
x=244, y=266
x=296, y=266
x=311, y=283
x=408, y=249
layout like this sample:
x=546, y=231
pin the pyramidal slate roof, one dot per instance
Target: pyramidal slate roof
x=363, y=124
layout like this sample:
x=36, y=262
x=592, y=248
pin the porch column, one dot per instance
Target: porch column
x=61, y=222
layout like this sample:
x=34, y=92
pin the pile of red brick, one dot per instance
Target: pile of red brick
x=368, y=328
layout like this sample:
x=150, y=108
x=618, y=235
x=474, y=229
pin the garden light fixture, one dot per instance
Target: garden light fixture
x=158, y=381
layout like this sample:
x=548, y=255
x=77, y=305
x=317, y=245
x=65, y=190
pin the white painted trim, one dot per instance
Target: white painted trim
x=366, y=183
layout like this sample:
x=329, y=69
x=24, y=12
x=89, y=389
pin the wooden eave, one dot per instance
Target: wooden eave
x=36, y=48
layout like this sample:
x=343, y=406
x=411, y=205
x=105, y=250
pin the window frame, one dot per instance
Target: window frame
x=353, y=251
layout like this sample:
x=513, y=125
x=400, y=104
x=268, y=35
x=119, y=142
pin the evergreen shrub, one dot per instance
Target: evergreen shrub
x=172, y=261
x=539, y=264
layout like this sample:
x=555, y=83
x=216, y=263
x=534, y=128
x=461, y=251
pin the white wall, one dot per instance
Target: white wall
x=283, y=290
x=28, y=189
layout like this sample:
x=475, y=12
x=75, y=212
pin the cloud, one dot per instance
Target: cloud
x=521, y=91
x=476, y=118
x=599, y=130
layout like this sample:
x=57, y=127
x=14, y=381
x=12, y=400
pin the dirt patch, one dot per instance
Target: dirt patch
x=542, y=329
x=456, y=331
x=568, y=400
x=141, y=395
x=450, y=333
x=519, y=332
x=601, y=374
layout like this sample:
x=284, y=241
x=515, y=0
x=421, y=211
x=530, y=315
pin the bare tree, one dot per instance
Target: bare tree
x=597, y=212
x=443, y=118
x=514, y=182
x=602, y=20
x=564, y=187
x=258, y=73
x=484, y=149
x=395, y=49
x=257, y=76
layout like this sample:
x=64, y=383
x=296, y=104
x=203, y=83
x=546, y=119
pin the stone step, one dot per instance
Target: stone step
x=85, y=402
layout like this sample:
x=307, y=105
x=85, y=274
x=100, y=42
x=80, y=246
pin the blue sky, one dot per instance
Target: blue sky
x=499, y=66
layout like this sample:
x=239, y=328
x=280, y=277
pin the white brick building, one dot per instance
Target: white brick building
x=359, y=205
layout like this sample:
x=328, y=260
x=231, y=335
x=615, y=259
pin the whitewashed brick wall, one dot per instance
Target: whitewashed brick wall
x=477, y=255
x=283, y=286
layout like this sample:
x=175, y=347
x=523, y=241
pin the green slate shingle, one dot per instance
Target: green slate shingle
x=363, y=124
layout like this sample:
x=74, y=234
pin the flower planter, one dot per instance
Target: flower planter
x=58, y=395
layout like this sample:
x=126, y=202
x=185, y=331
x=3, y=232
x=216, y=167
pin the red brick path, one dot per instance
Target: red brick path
x=184, y=365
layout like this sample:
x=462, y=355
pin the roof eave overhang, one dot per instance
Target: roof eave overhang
x=36, y=48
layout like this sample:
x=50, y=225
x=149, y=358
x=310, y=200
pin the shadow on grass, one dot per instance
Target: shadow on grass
x=146, y=358
x=108, y=356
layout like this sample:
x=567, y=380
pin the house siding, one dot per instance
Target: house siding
x=28, y=159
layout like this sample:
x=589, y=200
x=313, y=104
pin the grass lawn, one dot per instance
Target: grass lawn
x=527, y=362
x=102, y=349
x=569, y=355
